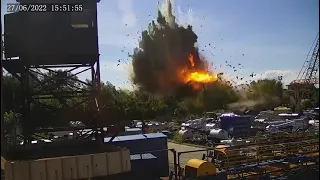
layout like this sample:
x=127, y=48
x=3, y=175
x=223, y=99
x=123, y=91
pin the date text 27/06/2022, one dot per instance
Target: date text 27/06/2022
x=31, y=7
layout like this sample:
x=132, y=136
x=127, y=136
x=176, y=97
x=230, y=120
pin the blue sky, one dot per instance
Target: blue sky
x=268, y=37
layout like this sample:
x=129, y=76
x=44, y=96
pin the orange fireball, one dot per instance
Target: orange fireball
x=191, y=60
x=195, y=76
x=201, y=77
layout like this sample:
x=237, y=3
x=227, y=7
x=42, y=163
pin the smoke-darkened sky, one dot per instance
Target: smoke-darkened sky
x=163, y=52
x=273, y=44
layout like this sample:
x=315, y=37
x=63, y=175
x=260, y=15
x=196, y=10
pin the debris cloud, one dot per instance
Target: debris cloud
x=168, y=59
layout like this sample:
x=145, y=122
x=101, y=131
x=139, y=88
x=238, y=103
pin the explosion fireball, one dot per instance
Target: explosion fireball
x=167, y=58
x=197, y=77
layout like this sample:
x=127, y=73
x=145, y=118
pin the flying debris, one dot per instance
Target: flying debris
x=168, y=59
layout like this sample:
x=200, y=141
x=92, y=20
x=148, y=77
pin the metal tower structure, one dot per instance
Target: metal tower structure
x=308, y=75
x=35, y=43
x=309, y=71
x=46, y=52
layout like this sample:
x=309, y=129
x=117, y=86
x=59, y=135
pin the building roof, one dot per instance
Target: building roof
x=136, y=137
x=142, y=156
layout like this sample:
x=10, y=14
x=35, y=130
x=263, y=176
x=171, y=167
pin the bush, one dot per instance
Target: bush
x=177, y=137
x=306, y=104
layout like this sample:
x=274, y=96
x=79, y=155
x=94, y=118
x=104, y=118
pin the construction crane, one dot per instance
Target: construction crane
x=310, y=68
x=308, y=76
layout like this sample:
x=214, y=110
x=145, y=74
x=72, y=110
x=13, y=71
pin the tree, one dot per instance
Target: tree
x=121, y=106
x=266, y=88
x=11, y=93
x=300, y=91
x=217, y=96
x=268, y=93
x=306, y=104
x=316, y=97
x=191, y=106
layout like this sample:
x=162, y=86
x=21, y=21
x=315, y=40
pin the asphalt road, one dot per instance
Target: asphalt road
x=184, y=157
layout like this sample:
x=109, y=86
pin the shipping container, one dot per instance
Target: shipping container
x=145, y=164
x=153, y=143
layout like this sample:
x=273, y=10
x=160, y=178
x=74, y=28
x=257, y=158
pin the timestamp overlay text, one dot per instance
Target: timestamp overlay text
x=45, y=7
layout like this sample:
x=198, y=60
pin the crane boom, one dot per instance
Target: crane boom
x=313, y=67
x=310, y=68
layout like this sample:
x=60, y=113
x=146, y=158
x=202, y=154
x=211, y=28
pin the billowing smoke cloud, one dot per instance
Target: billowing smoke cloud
x=163, y=51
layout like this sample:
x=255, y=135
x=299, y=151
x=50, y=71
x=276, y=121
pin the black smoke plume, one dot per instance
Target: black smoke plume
x=163, y=50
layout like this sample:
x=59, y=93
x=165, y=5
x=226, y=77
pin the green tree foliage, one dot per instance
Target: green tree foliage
x=306, y=104
x=268, y=93
x=190, y=106
x=300, y=91
x=117, y=105
x=11, y=93
x=266, y=88
x=316, y=97
x=218, y=95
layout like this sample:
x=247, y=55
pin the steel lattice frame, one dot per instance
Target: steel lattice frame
x=310, y=68
x=313, y=66
x=308, y=75
x=26, y=73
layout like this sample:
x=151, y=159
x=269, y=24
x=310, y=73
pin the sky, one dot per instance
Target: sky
x=269, y=38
